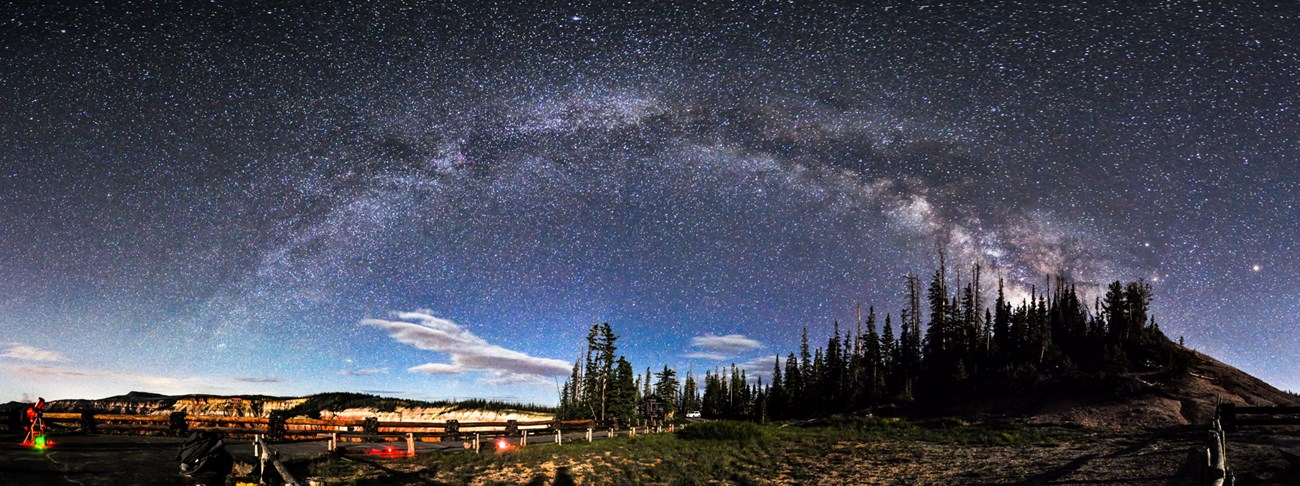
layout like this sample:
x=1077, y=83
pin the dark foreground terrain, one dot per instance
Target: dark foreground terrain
x=851, y=451
x=90, y=461
x=837, y=451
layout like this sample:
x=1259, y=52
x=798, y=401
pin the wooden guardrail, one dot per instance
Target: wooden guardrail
x=268, y=456
x=1214, y=470
x=277, y=426
x=1230, y=418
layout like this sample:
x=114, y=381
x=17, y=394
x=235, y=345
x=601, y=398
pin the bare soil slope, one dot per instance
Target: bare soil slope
x=1155, y=399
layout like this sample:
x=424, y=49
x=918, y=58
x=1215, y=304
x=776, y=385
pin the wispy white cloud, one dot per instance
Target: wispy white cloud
x=757, y=367
x=76, y=382
x=383, y=392
x=157, y=383
x=467, y=351
x=498, y=378
x=28, y=353
x=437, y=369
x=705, y=355
x=364, y=372
x=258, y=379
x=721, y=347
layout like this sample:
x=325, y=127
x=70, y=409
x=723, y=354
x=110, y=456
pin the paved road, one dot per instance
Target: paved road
x=105, y=460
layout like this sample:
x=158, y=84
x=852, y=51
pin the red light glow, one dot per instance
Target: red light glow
x=387, y=452
x=503, y=444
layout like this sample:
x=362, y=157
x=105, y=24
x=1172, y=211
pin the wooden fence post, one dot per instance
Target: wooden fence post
x=334, y=443
x=1217, y=467
x=588, y=434
x=410, y=444
x=476, y=444
x=452, y=429
x=267, y=455
x=275, y=424
x=88, y=422
x=261, y=458
x=1227, y=415
x=177, y=425
x=523, y=440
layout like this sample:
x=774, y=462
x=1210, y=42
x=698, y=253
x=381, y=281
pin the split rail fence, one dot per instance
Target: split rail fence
x=1229, y=418
x=278, y=427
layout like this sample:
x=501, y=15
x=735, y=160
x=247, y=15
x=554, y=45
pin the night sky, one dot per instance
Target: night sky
x=436, y=200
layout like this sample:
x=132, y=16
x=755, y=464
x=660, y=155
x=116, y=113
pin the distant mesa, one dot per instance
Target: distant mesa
x=322, y=405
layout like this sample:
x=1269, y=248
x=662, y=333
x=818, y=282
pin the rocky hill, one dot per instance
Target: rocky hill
x=144, y=403
x=327, y=405
x=1153, y=399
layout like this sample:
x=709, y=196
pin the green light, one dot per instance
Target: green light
x=40, y=441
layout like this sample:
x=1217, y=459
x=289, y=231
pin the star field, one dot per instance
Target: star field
x=436, y=199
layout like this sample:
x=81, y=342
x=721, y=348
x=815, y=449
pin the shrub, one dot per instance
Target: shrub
x=725, y=430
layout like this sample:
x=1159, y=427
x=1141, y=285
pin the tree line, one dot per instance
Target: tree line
x=602, y=387
x=964, y=345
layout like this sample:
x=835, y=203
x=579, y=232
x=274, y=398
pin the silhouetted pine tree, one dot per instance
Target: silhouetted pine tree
x=873, y=362
x=1003, y=339
x=667, y=386
x=794, y=388
x=776, y=399
x=939, y=362
x=690, y=401
x=623, y=393
x=889, y=359
x=833, y=372
x=599, y=370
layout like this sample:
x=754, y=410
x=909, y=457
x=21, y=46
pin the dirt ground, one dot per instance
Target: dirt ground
x=1147, y=457
x=1144, y=460
x=1154, y=457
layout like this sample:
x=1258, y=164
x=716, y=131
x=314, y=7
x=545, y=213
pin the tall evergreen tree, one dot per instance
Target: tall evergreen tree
x=938, y=361
x=833, y=374
x=690, y=395
x=599, y=370
x=1002, y=338
x=667, y=386
x=795, y=391
x=622, y=393
x=776, y=398
x=1115, y=307
x=805, y=361
x=873, y=360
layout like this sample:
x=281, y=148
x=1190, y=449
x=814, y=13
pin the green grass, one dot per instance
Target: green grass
x=727, y=430
x=939, y=430
x=730, y=452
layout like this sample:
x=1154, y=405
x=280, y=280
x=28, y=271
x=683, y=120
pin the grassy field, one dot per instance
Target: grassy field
x=843, y=450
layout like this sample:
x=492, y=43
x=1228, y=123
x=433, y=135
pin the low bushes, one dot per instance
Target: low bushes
x=725, y=430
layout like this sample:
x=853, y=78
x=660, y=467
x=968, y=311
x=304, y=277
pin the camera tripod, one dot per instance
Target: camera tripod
x=36, y=432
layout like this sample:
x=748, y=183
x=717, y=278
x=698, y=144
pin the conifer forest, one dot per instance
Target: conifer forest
x=951, y=340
